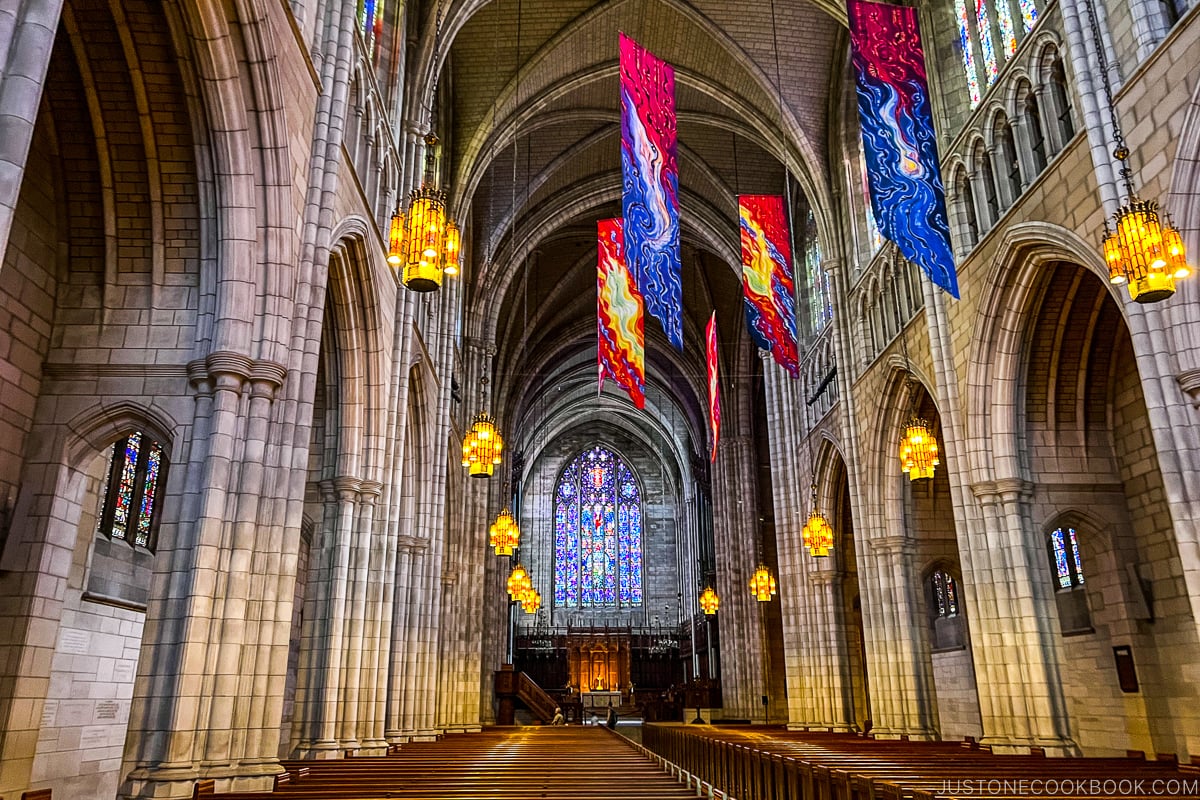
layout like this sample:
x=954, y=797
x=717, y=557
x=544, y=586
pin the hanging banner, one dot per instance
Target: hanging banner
x=767, y=284
x=714, y=385
x=898, y=138
x=650, y=197
x=622, y=342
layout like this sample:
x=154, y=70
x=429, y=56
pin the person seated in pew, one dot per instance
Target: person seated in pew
x=559, y=719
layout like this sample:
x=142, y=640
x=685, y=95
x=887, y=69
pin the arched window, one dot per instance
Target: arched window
x=597, y=533
x=1067, y=568
x=370, y=20
x=944, y=610
x=1009, y=165
x=137, y=470
x=1064, y=554
x=820, y=300
x=1062, y=100
x=1033, y=125
x=962, y=190
x=988, y=28
x=983, y=168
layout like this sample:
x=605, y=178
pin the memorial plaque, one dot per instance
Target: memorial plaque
x=49, y=713
x=75, y=642
x=107, y=709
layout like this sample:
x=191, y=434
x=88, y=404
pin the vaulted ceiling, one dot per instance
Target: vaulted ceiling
x=531, y=119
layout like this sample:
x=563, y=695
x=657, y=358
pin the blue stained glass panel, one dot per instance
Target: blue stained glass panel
x=598, y=542
x=1008, y=36
x=1060, y=558
x=124, y=501
x=149, y=491
x=1029, y=13
x=991, y=67
x=968, y=55
x=1075, y=553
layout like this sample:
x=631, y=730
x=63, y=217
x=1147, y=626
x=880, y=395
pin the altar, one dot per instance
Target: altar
x=601, y=699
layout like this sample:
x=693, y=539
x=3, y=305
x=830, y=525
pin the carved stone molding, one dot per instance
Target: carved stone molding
x=1190, y=383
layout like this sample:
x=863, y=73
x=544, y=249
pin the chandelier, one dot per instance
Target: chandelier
x=519, y=582
x=918, y=450
x=709, y=601
x=818, y=535
x=1144, y=251
x=482, y=446
x=504, y=534
x=762, y=585
x=531, y=600
x=422, y=242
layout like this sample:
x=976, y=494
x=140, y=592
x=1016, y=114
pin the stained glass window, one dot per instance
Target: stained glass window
x=1008, y=36
x=136, y=472
x=370, y=20
x=597, y=533
x=945, y=593
x=1029, y=13
x=820, y=300
x=983, y=27
x=1064, y=549
x=968, y=54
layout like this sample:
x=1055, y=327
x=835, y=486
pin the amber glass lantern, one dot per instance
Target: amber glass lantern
x=709, y=601
x=519, y=582
x=482, y=446
x=531, y=601
x=918, y=450
x=762, y=585
x=1144, y=252
x=818, y=535
x=423, y=243
x=504, y=534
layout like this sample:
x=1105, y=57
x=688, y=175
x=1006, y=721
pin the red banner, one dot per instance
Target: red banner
x=619, y=315
x=714, y=385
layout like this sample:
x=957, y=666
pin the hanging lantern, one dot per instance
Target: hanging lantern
x=453, y=246
x=818, y=534
x=1144, y=252
x=519, y=582
x=531, y=601
x=918, y=450
x=482, y=446
x=504, y=534
x=762, y=585
x=709, y=601
x=423, y=242
x=395, y=254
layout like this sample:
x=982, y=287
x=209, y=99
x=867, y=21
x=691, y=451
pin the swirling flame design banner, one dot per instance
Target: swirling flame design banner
x=767, y=283
x=622, y=350
x=714, y=385
x=898, y=138
x=650, y=200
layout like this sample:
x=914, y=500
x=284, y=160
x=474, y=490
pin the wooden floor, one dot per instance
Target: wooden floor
x=543, y=763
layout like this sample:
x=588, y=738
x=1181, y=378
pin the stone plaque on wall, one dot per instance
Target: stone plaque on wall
x=107, y=709
x=49, y=713
x=74, y=642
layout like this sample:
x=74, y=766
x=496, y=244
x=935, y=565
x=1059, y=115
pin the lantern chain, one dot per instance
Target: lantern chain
x=1121, y=150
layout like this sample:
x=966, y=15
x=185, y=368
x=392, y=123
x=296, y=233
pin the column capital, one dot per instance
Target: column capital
x=1189, y=381
x=1001, y=489
x=891, y=545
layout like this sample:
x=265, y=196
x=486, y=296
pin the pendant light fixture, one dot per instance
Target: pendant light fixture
x=709, y=601
x=504, y=535
x=483, y=444
x=531, y=601
x=817, y=532
x=1144, y=251
x=762, y=585
x=918, y=444
x=519, y=582
x=422, y=242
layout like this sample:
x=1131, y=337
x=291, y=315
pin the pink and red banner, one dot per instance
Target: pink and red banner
x=650, y=176
x=714, y=384
x=622, y=340
x=767, y=277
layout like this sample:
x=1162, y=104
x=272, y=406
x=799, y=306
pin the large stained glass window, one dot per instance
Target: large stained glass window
x=975, y=30
x=968, y=54
x=370, y=20
x=597, y=533
x=1064, y=550
x=945, y=594
x=136, y=473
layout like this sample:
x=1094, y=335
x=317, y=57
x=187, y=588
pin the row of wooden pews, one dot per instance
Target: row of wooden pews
x=774, y=764
x=546, y=763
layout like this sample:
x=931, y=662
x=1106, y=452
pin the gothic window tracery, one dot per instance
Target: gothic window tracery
x=988, y=34
x=597, y=533
x=136, y=474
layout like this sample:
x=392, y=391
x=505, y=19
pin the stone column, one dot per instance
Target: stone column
x=27, y=29
x=743, y=635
